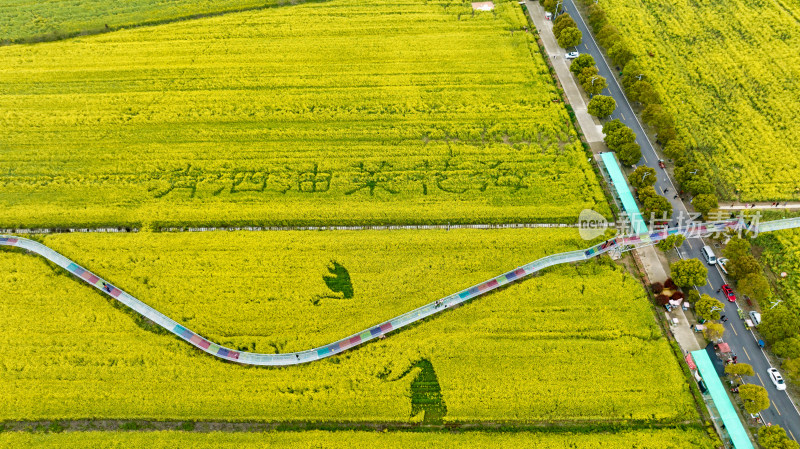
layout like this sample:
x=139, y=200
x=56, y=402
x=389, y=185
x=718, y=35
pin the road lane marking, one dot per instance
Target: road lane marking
x=622, y=115
x=690, y=245
x=745, y=351
x=735, y=333
x=776, y=408
x=759, y=379
x=790, y=433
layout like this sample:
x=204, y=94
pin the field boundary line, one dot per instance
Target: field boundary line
x=121, y=229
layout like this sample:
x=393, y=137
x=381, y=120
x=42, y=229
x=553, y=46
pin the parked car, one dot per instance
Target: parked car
x=721, y=262
x=756, y=317
x=729, y=292
x=709, y=255
x=776, y=378
x=661, y=163
x=572, y=55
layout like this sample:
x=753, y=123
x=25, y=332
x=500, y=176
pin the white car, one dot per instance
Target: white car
x=572, y=55
x=776, y=378
x=721, y=262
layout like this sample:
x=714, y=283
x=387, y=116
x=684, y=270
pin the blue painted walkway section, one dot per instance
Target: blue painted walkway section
x=624, y=194
x=721, y=400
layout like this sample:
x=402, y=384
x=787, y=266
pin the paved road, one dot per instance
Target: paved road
x=782, y=411
x=744, y=344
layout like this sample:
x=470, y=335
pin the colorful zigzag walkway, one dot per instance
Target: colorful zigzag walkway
x=251, y=358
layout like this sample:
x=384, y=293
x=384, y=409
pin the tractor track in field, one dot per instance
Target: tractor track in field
x=201, y=426
x=126, y=229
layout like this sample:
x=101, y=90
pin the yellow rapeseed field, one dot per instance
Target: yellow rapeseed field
x=729, y=72
x=335, y=112
x=567, y=345
x=642, y=439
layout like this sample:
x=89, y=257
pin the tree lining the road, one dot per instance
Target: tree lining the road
x=637, y=83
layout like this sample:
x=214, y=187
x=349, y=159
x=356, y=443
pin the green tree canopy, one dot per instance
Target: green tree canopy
x=612, y=125
x=740, y=369
x=673, y=241
x=788, y=348
x=655, y=116
x=597, y=17
x=791, y=368
x=686, y=172
x=570, y=37
x=587, y=73
x=643, y=92
x=594, y=84
x=602, y=106
x=774, y=437
x=608, y=35
x=633, y=72
x=714, y=331
x=755, y=398
x=642, y=176
x=756, y=286
x=563, y=22
x=581, y=62
x=549, y=6
x=666, y=135
x=778, y=324
x=657, y=207
x=646, y=192
x=708, y=308
x=675, y=149
x=629, y=153
x=698, y=185
x=692, y=178
x=618, y=136
x=620, y=53
x=736, y=248
x=705, y=202
x=742, y=266
x=688, y=273
x=693, y=296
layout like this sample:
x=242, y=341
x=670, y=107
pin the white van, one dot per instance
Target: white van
x=756, y=317
x=708, y=253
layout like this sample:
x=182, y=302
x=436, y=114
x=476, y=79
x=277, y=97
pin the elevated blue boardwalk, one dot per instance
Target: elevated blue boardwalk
x=728, y=414
x=624, y=194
